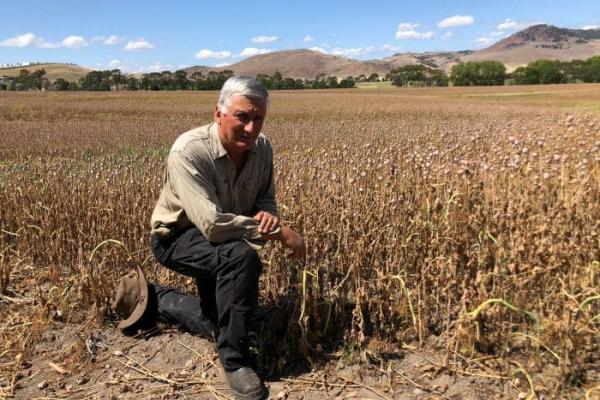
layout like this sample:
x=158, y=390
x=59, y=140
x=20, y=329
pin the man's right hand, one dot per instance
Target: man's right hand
x=294, y=241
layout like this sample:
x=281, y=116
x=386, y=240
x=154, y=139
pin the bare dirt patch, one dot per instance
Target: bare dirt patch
x=172, y=364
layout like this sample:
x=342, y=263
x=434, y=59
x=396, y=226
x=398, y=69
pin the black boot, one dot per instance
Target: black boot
x=245, y=384
x=176, y=307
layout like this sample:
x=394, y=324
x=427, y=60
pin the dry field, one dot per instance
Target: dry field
x=458, y=225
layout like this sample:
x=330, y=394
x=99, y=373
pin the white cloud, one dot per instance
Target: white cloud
x=512, y=25
x=28, y=39
x=389, y=47
x=448, y=35
x=42, y=44
x=362, y=51
x=156, y=66
x=456, y=20
x=483, y=41
x=319, y=49
x=354, y=51
x=107, y=40
x=112, y=39
x=407, y=26
x=309, y=38
x=207, y=53
x=264, y=39
x=19, y=41
x=586, y=27
x=139, y=44
x=508, y=25
x=115, y=64
x=253, y=51
x=222, y=65
x=73, y=42
x=497, y=33
x=406, y=30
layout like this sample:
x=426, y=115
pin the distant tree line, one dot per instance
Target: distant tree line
x=489, y=73
x=484, y=73
x=548, y=71
x=166, y=80
x=472, y=73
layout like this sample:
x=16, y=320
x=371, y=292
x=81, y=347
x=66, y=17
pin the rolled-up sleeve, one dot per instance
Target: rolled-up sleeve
x=194, y=186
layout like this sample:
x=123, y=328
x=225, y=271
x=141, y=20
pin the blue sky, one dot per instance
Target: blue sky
x=158, y=35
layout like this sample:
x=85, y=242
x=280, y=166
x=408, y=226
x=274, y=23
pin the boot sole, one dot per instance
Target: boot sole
x=257, y=395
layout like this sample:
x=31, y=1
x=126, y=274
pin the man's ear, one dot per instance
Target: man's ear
x=218, y=114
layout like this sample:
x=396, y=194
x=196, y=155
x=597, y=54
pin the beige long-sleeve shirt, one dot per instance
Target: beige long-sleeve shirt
x=201, y=188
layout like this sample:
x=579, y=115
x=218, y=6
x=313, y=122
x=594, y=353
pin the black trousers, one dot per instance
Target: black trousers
x=227, y=278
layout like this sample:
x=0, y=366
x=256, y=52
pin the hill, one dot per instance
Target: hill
x=431, y=59
x=70, y=72
x=530, y=44
x=541, y=42
x=303, y=64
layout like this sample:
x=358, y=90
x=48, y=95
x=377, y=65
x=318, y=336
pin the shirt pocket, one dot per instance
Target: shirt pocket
x=251, y=188
x=249, y=194
x=224, y=194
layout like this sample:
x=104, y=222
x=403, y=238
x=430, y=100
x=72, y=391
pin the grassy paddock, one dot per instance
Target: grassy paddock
x=465, y=220
x=374, y=85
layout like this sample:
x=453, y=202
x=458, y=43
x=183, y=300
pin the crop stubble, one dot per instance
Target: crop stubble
x=467, y=216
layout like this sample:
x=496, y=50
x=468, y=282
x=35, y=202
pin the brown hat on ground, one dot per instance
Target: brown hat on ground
x=132, y=298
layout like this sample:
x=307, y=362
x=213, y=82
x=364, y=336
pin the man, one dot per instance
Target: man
x=216, y=209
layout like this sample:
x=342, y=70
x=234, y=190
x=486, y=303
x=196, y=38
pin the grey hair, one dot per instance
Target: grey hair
x=242, y=86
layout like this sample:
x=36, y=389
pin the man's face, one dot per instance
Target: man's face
x=240, y=123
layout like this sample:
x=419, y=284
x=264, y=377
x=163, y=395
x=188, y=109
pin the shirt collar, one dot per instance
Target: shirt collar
x=218, y=148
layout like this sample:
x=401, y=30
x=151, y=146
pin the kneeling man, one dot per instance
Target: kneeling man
x=217, y=207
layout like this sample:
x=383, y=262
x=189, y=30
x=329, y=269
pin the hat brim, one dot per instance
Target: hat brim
x=141, y=306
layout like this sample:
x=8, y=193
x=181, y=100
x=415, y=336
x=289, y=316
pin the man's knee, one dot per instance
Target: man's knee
x=246, y=258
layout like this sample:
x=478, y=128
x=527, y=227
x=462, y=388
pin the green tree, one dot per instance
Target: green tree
x=418, y=75
x=478, y=73
x=132, y=83
x=145, y=82
x=574, y=70
x=181, y=82
x=332, y=82
x=491, y=73
x=61, y=84
x=348, y=82
x=540, y=72
x=116, y=78
x=549, y=71
x=96, y=81
x=264, y=79
x=591, y=69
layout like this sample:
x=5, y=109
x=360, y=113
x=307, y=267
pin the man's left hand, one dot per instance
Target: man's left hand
x=267, y=222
